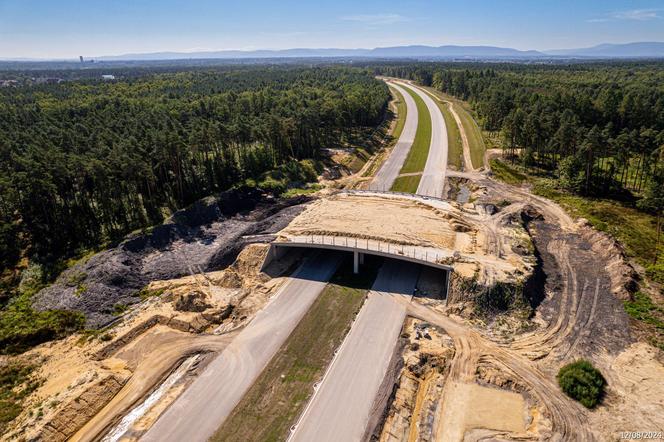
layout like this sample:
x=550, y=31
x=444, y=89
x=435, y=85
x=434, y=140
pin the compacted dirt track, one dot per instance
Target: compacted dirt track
x=568, y=418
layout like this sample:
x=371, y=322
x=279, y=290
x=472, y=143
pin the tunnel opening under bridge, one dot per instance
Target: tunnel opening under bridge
x=434, y=277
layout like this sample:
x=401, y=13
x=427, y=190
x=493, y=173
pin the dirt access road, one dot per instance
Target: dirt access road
x=389, y=171
x=201, y=409
x=341, y=407
x=433, y=176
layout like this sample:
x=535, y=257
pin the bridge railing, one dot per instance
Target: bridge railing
x=391, y=192
x=417, y=253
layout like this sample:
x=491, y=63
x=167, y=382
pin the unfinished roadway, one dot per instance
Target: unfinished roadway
x=199, y=411
x=341, y=406
x=432, y=181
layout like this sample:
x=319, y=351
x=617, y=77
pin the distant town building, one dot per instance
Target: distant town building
x=8, y=83
x=107, y=77
x=47, y=80
x=80, y=57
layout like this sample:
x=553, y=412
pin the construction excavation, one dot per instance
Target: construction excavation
x=480, y=293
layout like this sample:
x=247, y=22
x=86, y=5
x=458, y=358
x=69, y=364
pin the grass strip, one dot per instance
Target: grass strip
x=419, y=151
x=282, y=390
x=507, y=174
x=406, y=184
x=474, y=136
x=454, y=143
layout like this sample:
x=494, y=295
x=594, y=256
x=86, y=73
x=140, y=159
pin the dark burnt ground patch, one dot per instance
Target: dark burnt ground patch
x=204, y=237
x=578, y=301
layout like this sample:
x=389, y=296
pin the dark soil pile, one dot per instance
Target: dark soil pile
x=204, y=237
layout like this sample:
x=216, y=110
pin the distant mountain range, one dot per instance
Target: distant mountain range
x=388, y=52
x=627, y=50
x=420, y=52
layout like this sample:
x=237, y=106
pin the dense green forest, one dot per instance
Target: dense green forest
x=86, y=161
x=599, y=126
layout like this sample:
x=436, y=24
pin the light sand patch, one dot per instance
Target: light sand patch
x=635, y=397
x=398, y=220
x=471, y=407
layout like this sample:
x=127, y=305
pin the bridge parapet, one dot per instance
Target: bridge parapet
x=430, y=256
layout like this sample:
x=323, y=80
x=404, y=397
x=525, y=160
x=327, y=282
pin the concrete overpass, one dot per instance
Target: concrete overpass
x=360, y=247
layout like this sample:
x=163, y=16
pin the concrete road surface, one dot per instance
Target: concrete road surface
x=433, y=177
x=203, y=407
x=339, y=411
x=391, y=167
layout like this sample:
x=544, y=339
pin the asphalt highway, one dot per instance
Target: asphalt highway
x=203, y=407
x=390, y=169
x=433, y=177
x=340, y=408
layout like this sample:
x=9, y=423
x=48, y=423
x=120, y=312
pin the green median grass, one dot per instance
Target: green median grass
x=419, y=151
x=454, y=143
x=407, y=183
x=282, y=390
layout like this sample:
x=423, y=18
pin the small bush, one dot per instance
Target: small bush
x=582, y=382
x=146, y=293
x=642, y=308
x=656, y=272
x=21, y=327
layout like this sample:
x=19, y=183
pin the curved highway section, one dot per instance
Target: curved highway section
x=389, y=171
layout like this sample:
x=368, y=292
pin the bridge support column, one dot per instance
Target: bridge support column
x=356, y=262
x=361, y=258
x=448, y=276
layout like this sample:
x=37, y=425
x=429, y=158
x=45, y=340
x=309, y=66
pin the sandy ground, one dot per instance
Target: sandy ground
x=425, y=360
x=227, y=378
x=457, y=235
x=390, y=219
x=89, y=382
x=481, y=408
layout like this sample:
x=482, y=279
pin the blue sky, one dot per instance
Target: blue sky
x=68, y=28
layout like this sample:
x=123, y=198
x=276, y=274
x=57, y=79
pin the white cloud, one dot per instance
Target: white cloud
x=636, y=14
x=632, y=14
x=376, y=19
